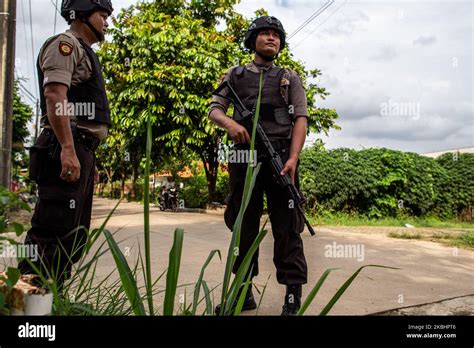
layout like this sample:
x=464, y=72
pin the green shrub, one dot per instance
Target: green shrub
x=379, y=183
x=456, y=190
x=194, y=193
x=222, y=186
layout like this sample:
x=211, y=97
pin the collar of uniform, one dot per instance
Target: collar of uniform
x=75, y=33
x=255, y=68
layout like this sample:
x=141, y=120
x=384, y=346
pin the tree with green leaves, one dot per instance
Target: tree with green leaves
x=22, y=114
x=163, y=62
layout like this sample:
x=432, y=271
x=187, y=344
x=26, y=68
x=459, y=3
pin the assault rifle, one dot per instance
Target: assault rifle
x=273, y=157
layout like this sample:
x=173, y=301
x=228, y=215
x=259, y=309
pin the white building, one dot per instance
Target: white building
x=459, y=150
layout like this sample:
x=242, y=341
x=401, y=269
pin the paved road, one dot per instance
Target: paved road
x=429, y=271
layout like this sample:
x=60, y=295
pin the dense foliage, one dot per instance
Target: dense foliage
x=163, y=61
x=387, y=183
x=22, y=114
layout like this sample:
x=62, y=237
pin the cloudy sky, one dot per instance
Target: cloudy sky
x=399, y=72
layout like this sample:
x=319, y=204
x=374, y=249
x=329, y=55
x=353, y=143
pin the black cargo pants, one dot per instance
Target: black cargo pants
x=288, y=254
x=61, y=208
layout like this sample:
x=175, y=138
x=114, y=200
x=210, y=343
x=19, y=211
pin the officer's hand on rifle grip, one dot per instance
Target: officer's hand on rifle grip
x=238, y=133
x=70, y=165
x=290, y=168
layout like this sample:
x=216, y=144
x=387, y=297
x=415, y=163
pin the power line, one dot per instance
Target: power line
x=25, y=92
x=55, y=16
x=26, y=96
x=26, y=40
x=32, y=45
x=55, y=4
x=22, y=87
x=325, y=19
x=311, y=18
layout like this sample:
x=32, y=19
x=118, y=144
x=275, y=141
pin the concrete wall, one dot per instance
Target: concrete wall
x=439, y=153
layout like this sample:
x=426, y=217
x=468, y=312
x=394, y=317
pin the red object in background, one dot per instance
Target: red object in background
x=14, y=185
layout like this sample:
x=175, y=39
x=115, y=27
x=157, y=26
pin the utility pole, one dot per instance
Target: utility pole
x=36, y=120
x=7, y=65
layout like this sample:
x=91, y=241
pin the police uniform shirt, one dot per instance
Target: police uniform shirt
x=63, y=60
x=296, y=95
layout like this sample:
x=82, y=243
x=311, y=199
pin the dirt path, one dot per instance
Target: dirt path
x=428, y=272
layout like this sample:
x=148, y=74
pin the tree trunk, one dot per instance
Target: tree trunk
x=122, y=189
x=212, y=181
x=133, y=191
x=110, y=174
x=211, y=168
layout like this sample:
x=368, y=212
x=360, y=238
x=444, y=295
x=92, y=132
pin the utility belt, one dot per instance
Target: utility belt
x=82, y=136
x=46, y=153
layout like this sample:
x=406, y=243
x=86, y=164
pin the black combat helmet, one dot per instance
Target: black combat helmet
x=83, y=9
x=261, y=23
x=71, y=9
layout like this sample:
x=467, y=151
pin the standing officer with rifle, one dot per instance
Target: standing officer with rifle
x=283, y=121
x=75, y=118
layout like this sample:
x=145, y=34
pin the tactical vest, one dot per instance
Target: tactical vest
x=274, y=114
x=91, y=91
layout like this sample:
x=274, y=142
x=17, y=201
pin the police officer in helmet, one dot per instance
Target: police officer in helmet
x=283, y=116
x=75, y=118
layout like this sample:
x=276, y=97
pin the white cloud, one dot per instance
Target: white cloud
x=384, y=53
x=425, y=40
x=369, y=53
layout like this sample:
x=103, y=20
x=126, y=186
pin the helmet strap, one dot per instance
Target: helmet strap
x=267, y=58
x=97, y=34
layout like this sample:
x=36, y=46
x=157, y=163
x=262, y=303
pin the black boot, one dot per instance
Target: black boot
x=292, y=300
x=248, y=305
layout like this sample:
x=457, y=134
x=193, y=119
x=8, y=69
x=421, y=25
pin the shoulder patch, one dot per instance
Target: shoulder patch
x=65, y=48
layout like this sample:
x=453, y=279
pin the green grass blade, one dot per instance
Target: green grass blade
x=244, y=267
x=92, y=237
x=242, y=271
x=146, y=214
x=99, y=252
x=235, y=240
x=261, y=295
x=201, y=275
x=207, y=297
x=128, y=282
x=173, y=272
x=158, y=279
x=344, y=287
x=314, y=291
x=85, y=309
x=243, y=294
